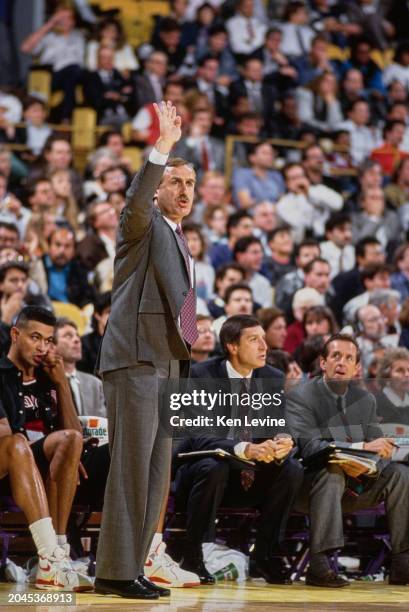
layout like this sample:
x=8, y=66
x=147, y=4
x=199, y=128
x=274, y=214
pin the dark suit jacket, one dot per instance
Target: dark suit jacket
x=90, y=348
x=346, y=285
x=192, y=154
x=150, y=284
x=268, y=94
x=388, y=413
x=315, y=421
x=95, y=89
x=144, y=92
x=216, y=369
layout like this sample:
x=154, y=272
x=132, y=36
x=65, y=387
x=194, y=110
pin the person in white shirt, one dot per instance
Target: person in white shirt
x=363, y=138
x=12, y=107
x=246, y=32
x=58, y=43
x=337, y=249
x=111, y=34
x=37, y=130
x=305, y=206
x=398, y=70
x=297, y=34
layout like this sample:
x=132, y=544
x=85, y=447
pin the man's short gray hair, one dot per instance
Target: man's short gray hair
x=381, y=297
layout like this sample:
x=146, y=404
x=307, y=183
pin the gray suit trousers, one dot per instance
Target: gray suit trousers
x=139, y=475
x=323, y=497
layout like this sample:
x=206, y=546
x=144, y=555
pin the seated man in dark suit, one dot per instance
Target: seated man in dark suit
x=392, y=403
x=331, y=409
x=206, y=484
x=106, y=90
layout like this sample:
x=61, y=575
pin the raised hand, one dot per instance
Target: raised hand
x=170, y=126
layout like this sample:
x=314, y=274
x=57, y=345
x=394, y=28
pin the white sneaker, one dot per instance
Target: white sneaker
x=161, y=568
x=55, y=573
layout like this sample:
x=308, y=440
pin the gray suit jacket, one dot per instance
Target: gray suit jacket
x=92, y=395
x=363, y=226
x=150, y=284
x=191, y=153
x=314, y=420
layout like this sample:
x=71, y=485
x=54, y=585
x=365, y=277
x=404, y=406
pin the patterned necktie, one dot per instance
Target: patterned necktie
x=205, y=161
x=188, y=310
x=250, y=31
x=246, y=476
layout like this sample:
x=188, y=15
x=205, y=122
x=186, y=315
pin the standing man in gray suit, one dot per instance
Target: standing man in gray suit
x=148, y=336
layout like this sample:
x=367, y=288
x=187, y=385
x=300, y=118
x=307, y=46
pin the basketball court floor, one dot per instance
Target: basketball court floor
x=225, y=597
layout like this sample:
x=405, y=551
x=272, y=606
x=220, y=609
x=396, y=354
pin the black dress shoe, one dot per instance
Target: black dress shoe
x=152, y=586
x=328, y=579
x=132, y=589
x=198, y=567
x=272, y=570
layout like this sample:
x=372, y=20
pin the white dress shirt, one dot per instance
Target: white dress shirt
x=240, y=447
x=239, y=28
x=124, y=59
x=75, y=388
x=159, y=158
x=363, y=140
x=340, y=260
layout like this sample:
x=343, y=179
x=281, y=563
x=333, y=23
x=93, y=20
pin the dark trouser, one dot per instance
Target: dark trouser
x=205, y=485
x=138, y=478
x=323, y=497
x=67, y=79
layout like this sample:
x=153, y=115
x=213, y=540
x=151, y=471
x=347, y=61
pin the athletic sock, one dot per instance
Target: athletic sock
x=157, y=539
x=44, y=536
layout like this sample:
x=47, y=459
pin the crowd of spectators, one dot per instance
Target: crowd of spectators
x=311, y=239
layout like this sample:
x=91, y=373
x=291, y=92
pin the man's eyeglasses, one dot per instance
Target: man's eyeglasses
x=205, y=330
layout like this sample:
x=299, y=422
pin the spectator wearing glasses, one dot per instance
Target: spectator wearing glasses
x=204, y=346
x=371, y=333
